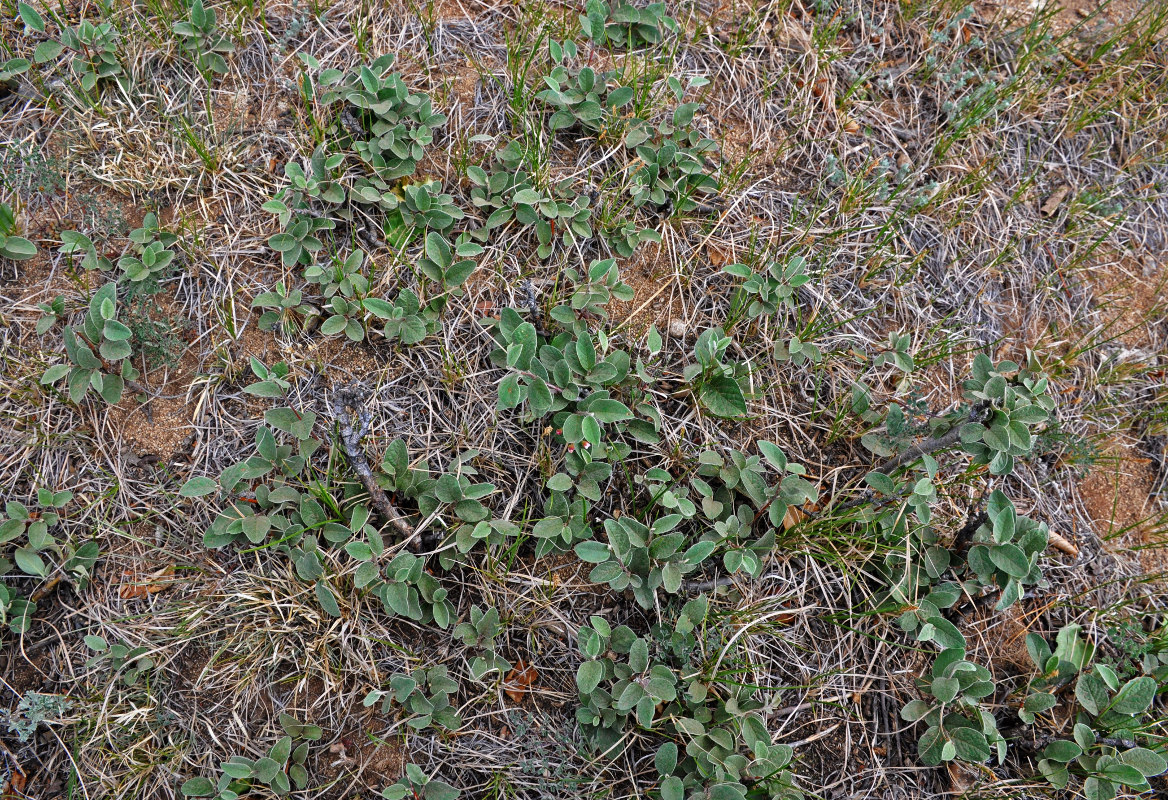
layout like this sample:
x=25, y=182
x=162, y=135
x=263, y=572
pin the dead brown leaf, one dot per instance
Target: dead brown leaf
x=133, y=588
x=717, y=256
x=14, y=786
x=519, y=681
x=1055, y=200
x=794, y=516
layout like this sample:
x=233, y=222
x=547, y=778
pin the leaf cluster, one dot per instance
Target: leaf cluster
x=86, y=370
x=424, y=696
x=128, y=663
x=12, y=246
x=625, y=25
x=201, y=41
x=509, y=194
x=30, y=535
x=280, y=770
x=92, y=49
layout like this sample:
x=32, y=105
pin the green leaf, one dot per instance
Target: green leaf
x=943, y=632
x=722, y=397
x=653, y=341
x=115, y=331
x=1038, y=649
x=971, y=745
x=269, y=389
x=589, y=675
x=560, y=482
x=198, y=787
x=46, y=51
x=1146, y=761
x=914, y=710
x=666, y=759
x=198, y=487
x=1062, y=751
x=266, y=769
x=593, y=552
x=439, y=790
x=586, y=352
x=17, y=248
x=1136, y=696
x=333, y=325
x=329, y=603
x=30, y=17
x=438, y=249
x=548, y=528
x=54, y=374
x=510, y=394
x=996, y=438
x=1010, y=559
x=1098, y=789
x=539, y=395
x=609, y=410
x=1091, y=693
x=1055, y=773
x=671, y=578
x=281, y=750
x=1125, y=774
x=945, y=689
x=672, y=788
x=359, y=551
x=698, y=552
x=590, y=429
x=1037, y=703
x=29, y=562
x=881, y=483
x=930, y=745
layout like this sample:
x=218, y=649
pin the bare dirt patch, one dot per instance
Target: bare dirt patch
x=162, y=426
x=1091, y=15
x=1117, y=495
x=654, y=300
x=1131, y=295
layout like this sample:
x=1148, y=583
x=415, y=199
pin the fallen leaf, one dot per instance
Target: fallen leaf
x=14, y=786
x=519, y=681
x=793, y=517
x=133, y=588
x=1063, y=544
x=1055, y=200
x=717, y=257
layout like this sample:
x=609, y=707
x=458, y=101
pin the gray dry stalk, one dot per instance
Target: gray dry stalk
x=349, y=402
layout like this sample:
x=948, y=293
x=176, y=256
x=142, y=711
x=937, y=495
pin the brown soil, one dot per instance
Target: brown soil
x=1069, y=14
x=23, y=673
x=376, y=762
x=253, y=342
x=460, y=87
x=1003, y=635
x=190, y=664
x=1131, y=295
x=1025, y=329
x=1117, y=494
x=459, y=9
x=654, y=300
x=347, y=361
x=741, y=143
x=162, y=426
